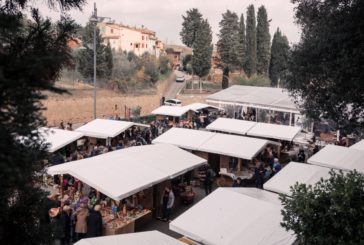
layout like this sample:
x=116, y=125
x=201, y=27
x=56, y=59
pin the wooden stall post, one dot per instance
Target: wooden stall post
x=61, y=182
x=239, y=165
x=98, y=195
x=79, y=186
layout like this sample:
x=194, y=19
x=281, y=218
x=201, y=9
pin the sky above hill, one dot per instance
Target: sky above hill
x=165, y=16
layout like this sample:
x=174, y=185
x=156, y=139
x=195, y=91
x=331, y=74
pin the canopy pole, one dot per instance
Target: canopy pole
x=61, y=182
x=290, y=119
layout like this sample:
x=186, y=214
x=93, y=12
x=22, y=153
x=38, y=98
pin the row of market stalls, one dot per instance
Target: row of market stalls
x=247, y=215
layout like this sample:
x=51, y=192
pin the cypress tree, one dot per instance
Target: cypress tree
x=202, y=50
x=190, y=25
x=263, y=42
x=242, y=43
x=279, y=58
x=228, y=43
x=251, y=41
x=109, y=61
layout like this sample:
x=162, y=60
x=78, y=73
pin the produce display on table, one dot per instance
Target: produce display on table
x=121, y=218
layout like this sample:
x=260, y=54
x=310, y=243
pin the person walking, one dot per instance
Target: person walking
x=209, y=179
x=65, y=225
x=94, y=222
x=167, y=203
x=81, y=223
x=259, y=173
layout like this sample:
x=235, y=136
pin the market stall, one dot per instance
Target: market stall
x=233, y=126
x=358, y=146
x=230, y=216
x=106, y=130
x=139, y=238
x=126, y=174
x=296, y=172
x=339, y=157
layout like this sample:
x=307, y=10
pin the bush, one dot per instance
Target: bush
x=151, y=72
x=256, y=80
x=164, y=65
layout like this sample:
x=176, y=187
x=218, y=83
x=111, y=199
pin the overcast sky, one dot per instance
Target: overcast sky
x=165, y=16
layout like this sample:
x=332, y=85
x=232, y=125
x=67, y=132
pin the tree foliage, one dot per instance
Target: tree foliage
x=190, y=26
x=32, y=54
x=164, y=65
x=278, y=65
x=109, y=61
x=228, y=43
x=202, y=50
x=86, y=56
x=331, y=212
x=263, y=42
x=327, y=65
x=242, y=43
x=251, y=42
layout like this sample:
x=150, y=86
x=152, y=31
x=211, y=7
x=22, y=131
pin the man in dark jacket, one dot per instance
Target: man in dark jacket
x=94, y=222
x=65, y=225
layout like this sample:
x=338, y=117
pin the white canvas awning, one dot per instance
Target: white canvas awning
x=296, y=172
x=263, y=130
x=138, y=238
x=58, y=138
x=230, y=216
x=358, y=146
x=268, y=98
x=172, y=111
x=105, y=128
x=229, y=125
x=201, y=106
x=274, y=131
x=121, y=173
x=223, y=144
x=339, y=157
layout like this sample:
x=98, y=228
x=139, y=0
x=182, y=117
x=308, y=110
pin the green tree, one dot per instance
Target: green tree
x=242, y=43
x=163, y=64
x=251, y=42
x=326, y=71
x=32, y=54
x=202, y=50
x=86, y=56
x=109, y=61
x=190, y=26
x=263, y=42
x=278, y=65
x=330, y=212
x=186, y=60
x=228, y=44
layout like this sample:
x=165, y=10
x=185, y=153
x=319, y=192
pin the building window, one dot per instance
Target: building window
x=137, y=45
x=146, y=45
x=112, y=30
x=142, y=45
x=142, y=37
x=131, y=44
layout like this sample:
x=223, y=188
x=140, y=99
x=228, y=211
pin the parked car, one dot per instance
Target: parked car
x=173, y=102
x=180, y=79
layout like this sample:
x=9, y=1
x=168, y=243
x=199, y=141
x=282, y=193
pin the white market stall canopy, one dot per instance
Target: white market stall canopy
x=58, y=138
x=178, y=111
x=268, y=98
x=121, y=173
x=263, y=130
x=358, y=146
x=235, y=216
x=223, y=144
x=296, y=172
x=138, y=238
x=339, y=157
x=105, y=128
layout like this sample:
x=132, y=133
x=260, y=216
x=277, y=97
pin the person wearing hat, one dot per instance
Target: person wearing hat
x=94, y=222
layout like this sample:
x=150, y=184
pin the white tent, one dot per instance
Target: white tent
x=358, y=146
x=267, y=98
x=172, y=111
x=105, y=128
x=230, y=216
x=223, y=144
x=339, y=157
x=274, y=131
x=58, y=138
x=229, y=125
x=138, y=238
x=296, y=172
x=200, y=106
x=121, y=173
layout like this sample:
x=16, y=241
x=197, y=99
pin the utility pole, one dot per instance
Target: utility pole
x=95, y=26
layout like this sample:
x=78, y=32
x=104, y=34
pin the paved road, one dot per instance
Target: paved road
x=176, y=87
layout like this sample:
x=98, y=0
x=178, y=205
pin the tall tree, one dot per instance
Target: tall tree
x=86, y=56
x=278, y=66
x=228, y=43
x=251, y=42
x=109, y=61
x=190, y=25
x=32, y=54
x=330, y=212
x=242, y=43
x=263, y=42
x=327, y=71
x=202, y=50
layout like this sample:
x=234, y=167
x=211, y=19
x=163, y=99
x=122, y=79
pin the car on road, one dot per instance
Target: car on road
x=173, y=102
x=180, y=79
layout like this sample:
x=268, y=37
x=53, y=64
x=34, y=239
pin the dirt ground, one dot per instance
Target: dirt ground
x=77, y=107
